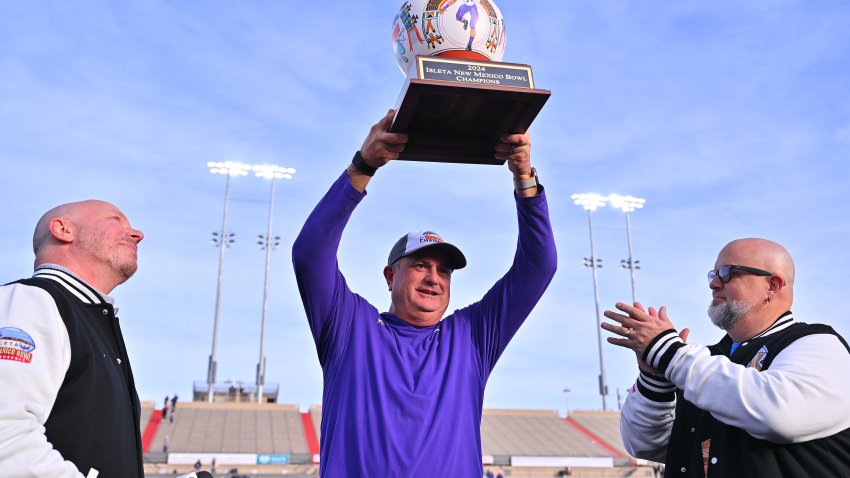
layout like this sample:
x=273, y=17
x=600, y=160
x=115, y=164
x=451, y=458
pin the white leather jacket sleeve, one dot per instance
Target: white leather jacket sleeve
x=801, y=397
x=646, y=423
x=29, y=388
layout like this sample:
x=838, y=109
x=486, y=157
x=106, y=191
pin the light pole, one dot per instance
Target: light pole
x=271, y=172
x=591, y=202
x=567, y=398
x=228, y=168
x=628, y=204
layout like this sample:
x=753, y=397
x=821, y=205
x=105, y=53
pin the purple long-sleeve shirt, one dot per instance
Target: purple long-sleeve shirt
x=400, y=400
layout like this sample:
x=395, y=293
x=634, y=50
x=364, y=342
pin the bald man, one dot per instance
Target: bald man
x=771, y=399
x=68, y=404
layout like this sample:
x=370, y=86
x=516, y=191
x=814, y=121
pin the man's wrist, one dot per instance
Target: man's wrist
x=661, y=349
x=526, y=181
x=362, y=166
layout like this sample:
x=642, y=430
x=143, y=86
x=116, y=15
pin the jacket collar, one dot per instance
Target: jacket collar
x=76, y=286
x=783, y=322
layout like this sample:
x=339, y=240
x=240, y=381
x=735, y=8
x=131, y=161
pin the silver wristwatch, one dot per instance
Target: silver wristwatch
x=531, y=182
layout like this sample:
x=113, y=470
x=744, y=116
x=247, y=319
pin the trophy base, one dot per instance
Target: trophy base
x=452, y=122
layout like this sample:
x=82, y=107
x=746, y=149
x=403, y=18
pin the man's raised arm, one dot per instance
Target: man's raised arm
x=509, y=302
x=321, y=285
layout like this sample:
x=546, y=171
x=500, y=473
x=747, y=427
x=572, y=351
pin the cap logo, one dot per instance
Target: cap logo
x=429, y=236
x=415, y=241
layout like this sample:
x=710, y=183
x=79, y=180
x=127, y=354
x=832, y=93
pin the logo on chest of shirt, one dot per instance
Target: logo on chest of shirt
x=758, y=360
x=16, y=345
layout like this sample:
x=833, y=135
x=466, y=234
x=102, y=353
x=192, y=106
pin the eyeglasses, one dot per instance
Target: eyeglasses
x=724, y=273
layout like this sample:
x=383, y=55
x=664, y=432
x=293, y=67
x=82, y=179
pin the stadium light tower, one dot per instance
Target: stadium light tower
x=272, y=172
x=590, y=203
x=628, y=204
x=228, y=168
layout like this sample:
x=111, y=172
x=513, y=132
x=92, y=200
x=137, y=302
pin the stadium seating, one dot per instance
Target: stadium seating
x=201, y=427
x=316, y=415
x=247, y=428
x=603, y=425
x=147, y=411
x=534, y=433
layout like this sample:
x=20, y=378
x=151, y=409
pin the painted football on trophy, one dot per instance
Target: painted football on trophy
x=468, y=29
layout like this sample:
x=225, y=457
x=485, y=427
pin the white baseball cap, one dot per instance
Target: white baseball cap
x=415, y=241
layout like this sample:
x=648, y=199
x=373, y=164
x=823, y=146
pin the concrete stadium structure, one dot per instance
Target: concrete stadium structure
x=271, y=439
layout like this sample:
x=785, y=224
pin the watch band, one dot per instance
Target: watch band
x=529, y=183
x=361, y=165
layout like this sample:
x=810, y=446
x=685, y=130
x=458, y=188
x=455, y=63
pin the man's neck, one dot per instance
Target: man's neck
x=103, y=280
x=753, y=324
x=416, y=321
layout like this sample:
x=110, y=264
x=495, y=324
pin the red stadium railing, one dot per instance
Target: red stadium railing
x=150, y=430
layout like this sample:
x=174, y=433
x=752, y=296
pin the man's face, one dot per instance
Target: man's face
x=420, y=287
x=104, y=234
x=734, y=299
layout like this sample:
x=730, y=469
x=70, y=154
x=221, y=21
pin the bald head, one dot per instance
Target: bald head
x=41, y=236
x=92, y=238
x=760, y=253
x=749, y=301
x=72, y=211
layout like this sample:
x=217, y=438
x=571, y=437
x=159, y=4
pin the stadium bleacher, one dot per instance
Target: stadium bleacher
x=534, y=433
x=604, y=425
x=147, y=411
x=271, y=439
x=201, y=427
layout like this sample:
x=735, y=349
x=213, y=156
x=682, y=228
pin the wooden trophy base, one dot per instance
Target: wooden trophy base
x=456, y=110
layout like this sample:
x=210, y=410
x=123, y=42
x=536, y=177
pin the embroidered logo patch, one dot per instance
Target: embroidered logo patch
x=429, y=236
x=758, y=359
x=16, y=345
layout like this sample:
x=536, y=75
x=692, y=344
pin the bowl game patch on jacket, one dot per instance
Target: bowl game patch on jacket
x=16, y=345
x=758, y=360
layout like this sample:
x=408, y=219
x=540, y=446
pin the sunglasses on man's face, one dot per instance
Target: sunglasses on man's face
x=724, y=273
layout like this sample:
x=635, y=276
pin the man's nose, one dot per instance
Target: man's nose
x=715, y=283
x=137, y=235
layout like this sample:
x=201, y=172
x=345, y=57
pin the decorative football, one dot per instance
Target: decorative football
x=468, y=29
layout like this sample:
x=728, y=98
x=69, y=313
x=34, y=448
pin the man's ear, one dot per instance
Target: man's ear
x=62, y=230
x=388, y=275
x=776, y=283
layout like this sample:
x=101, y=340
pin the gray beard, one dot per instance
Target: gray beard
x=726, y=314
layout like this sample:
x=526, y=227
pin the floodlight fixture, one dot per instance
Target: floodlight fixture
x=272, y=172
x=230, y=168
x=589, y=201
x=626, y=203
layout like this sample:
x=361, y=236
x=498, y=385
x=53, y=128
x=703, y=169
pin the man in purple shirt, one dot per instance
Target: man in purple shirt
x=403, y=389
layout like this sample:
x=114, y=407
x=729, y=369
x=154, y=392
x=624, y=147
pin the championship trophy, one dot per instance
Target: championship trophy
x=458, y=98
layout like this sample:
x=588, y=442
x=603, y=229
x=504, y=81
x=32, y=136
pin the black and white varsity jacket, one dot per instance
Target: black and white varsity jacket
x=68, y=404
x=778, y=407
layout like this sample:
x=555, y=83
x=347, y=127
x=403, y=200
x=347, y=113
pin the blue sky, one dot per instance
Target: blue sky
x=731, y=118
